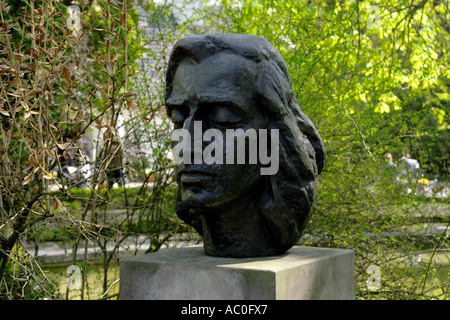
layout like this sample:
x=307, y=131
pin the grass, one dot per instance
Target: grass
x=94, y=282
x=407, y=278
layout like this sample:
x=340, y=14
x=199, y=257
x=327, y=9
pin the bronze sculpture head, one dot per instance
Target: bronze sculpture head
x=221, y=82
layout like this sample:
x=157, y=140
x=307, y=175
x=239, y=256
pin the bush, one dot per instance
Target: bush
x=81, y=111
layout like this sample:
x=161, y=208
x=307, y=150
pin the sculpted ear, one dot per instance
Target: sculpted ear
x=274, y=88
x=289, y=196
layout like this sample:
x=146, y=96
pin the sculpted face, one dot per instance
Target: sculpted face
x=219, y=92
x=249, y=201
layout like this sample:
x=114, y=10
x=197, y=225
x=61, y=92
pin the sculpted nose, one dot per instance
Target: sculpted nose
x=189, y=123
x=194, y=125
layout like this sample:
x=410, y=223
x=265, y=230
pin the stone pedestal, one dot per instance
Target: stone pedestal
x=189, y=274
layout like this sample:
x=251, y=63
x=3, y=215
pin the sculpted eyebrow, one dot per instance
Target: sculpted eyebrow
x=175, y=102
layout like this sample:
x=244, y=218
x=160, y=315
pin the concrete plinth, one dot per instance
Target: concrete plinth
x=187, y=273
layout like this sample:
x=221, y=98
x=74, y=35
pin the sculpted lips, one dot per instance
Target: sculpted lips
x=194, y=176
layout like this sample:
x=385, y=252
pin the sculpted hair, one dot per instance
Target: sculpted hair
x=290, y=195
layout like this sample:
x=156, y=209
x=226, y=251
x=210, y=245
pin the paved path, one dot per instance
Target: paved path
x=54, y=254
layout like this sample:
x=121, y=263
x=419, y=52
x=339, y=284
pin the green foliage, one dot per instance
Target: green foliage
x=357, y=78
x=24, y=279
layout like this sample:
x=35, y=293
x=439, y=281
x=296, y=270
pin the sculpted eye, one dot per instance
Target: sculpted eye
x=226, y=117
